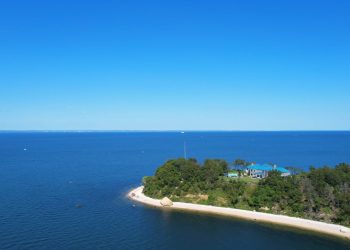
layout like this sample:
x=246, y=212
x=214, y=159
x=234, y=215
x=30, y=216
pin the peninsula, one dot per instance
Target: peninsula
x=317, y=200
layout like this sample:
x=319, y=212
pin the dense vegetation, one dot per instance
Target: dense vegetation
x=321, y=194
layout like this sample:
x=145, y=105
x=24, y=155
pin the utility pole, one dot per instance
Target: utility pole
x=185, y=150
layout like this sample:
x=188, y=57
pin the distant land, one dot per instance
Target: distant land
x=161, y=131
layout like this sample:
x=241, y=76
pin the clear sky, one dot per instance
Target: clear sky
x=178, y=65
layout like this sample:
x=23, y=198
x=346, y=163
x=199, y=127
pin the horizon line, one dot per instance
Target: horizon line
x=160, y=130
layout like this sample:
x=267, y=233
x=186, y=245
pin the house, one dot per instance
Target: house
x=262, y=171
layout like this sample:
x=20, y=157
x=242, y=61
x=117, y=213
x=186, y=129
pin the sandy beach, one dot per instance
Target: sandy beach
x=322, y=227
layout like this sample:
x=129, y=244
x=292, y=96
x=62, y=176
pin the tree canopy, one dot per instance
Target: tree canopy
x=321, y=193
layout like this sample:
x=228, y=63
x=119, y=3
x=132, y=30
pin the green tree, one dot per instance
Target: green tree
x=213, y=169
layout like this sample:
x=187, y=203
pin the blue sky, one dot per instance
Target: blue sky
x=175, y=65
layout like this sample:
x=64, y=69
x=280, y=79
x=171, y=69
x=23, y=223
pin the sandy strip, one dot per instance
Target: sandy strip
x=322, y=227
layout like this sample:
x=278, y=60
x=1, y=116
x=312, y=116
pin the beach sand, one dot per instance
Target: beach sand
x=322, y=227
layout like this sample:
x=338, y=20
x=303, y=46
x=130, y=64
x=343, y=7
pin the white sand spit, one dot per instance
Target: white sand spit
x=322, y=227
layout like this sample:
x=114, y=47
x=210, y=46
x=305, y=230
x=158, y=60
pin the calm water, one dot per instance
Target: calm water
x=41, y=187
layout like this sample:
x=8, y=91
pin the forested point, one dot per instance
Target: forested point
x=320, y=194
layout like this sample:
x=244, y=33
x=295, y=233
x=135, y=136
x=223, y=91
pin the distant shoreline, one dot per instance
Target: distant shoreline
x=311, y=225
x=165, y=131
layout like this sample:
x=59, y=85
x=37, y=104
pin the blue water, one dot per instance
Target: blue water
x=67, y=190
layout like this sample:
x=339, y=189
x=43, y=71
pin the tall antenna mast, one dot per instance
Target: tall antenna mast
x=185, y=156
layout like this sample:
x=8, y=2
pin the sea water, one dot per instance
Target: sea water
x=66, y=190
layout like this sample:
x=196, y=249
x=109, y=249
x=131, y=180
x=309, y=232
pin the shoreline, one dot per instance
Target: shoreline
x=310, y=225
